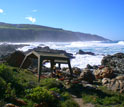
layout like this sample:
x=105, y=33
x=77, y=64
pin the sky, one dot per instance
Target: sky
x=101, y=17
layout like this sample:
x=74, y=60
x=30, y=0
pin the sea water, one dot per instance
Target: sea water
x=100, y=49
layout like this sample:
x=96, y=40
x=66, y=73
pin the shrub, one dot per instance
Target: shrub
x=40, y=94
x=9, y=92
x=69, y=103
x=105, y=98
x=51, y=83
x=66, y=95
x=55, y=90
x=2, y=87
x=6, y=73
x=2, y=103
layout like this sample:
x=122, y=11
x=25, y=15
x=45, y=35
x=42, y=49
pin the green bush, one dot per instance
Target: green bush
x=108, y=99
x=66, y=95
x=9, y=92
x=6, y=73
x=69, y=103
x=90, y=98
x=2, y=87
x=55, y=89
x=51, y=83
x=2, y=103
x=40, y=94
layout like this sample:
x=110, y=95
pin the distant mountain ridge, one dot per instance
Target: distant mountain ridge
x=38, y=33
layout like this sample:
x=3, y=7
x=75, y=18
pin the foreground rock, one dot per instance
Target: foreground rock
x=16, y=58
x=104, y=72
x=115, y=62
x=76, y=71
x=87, y=75
x=116, y=84
x=10, y=105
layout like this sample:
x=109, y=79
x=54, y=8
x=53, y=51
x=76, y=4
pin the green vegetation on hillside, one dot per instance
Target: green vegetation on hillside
x=103, y=97
x=28, y=27
x=15, y=84
x=22, y=84
x=30, y=32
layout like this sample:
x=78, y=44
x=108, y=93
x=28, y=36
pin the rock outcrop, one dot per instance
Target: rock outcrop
x=83, y=53
x=105, y=72
x=87, y=75
x=6, y=49
x=16, y=58
x=115, y=84
x=115, y=62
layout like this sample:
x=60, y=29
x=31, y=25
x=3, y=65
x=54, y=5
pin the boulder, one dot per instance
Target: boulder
x=116, y=84
x=16, y=58
x=76, y=71
x=83, y=53
x=87, y=75
x=105, y=81
x=120, y=77
x=116, y=62
x=89, y=66
x=103, y=73
x=43, y=104
x=10, y=105
x=20, y=102
x=6, y=49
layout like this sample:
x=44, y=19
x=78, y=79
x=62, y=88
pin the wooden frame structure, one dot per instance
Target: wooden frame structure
x=52, y=57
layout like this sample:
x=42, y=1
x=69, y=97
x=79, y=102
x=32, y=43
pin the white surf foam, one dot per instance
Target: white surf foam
x=121, y=43
x=90, y=44
x=81, y=61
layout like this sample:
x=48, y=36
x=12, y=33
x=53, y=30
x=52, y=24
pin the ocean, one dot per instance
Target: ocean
x=101, y=49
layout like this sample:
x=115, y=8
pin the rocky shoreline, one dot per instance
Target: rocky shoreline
x=85, y=83
x=110, y=72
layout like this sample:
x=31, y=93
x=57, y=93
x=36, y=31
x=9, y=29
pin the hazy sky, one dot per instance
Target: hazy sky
x=102, y=17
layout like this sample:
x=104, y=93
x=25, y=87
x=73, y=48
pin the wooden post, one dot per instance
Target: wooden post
x=52, y=64
x=69, y=65
x=59, y=65
x=39, y=67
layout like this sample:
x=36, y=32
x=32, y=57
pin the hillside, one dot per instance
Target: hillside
x=29, y=32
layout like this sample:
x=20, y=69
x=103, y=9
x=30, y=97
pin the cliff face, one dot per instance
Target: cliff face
x=27, y=32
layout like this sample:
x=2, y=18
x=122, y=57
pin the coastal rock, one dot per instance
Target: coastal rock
x=76, y=71
x=89, y=66
x=87, y=75
x=116, y=84
x=83, y=53
x=6, y=49
x=116, y=62
x=103, y=73
x=10, y=105
x=120, y=77
x=20, y=102
x=43, y=104
x=105, y=81
x=16, y=58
